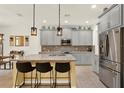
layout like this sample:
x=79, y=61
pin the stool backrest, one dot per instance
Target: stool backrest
x=43, y=67
x=62, y=67
x=23, y=67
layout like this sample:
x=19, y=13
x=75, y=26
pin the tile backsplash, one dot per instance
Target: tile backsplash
x=54, y=48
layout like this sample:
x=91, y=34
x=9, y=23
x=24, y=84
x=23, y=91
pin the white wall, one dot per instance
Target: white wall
x=23, y=28
x=95, y=40
x=95, y=64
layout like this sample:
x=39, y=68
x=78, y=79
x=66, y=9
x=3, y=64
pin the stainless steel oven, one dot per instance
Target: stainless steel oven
x=66, y=42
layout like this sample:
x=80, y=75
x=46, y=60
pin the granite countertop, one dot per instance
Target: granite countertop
x=46, y=57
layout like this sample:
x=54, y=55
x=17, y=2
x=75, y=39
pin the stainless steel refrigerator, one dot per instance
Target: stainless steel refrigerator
x=111, y=56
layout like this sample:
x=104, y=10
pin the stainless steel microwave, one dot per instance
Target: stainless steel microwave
x=66, y=42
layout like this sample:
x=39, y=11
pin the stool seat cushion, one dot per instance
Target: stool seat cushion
x=43, y=67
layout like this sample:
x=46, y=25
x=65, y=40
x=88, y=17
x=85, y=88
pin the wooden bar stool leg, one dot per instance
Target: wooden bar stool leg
x=55, y=78
x=69, y=75
x=50, y=80
x=40, y=79
x=24, y=78
x=16, y=79
x=31, y=79
x=36, y=79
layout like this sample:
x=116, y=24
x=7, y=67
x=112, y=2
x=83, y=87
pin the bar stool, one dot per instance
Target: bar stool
x=62, y=68
x=43, y=68
x=24, y=68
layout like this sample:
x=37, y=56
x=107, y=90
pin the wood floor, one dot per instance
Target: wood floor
x=85, y=78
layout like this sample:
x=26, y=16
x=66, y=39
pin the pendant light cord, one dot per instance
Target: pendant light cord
x=33, y=15
x=59, y=15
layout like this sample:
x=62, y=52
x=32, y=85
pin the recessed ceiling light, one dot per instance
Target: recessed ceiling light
x=44, y=21
x=67, y=15
x=66, y=21
x=19, y=14
x=93, y=6
x=87, y=22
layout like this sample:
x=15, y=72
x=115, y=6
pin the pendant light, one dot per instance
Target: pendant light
x=33, y=29
x=59, y=28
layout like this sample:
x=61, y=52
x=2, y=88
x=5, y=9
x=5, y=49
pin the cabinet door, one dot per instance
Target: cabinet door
x=105, y=22
x=50, y=39
x=56, y=39
x=75, y=37
x=47, y=37
x=86, y=58
x=44, y=37
x=115, y=16
x=78, y=59
x=99, y=27
x=85, y=38
x=102, y=23
x=66, y=33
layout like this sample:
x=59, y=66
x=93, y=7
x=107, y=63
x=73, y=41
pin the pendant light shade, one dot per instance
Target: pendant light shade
x=59, y=28
x=33, y=29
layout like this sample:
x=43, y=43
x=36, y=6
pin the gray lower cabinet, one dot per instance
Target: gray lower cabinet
x=83, y=58
x=86, y=58
x=78, y=60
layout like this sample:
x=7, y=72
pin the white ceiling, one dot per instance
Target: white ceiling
x=79, y=13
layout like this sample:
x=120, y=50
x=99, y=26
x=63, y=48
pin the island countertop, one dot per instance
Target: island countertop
x=46, y=57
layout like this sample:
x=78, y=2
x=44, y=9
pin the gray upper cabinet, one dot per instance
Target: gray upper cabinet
x=56, y=39
x=103, y=22
x=115, y=16
x=47, y=38
x=50, y=38
x=44, y=38
x=85, y=37
x=99, y=27
x=66, y=33
x=75, y=37
x=110, y=19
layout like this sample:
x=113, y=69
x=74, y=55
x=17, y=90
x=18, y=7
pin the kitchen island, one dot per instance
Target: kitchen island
x=52, y=58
